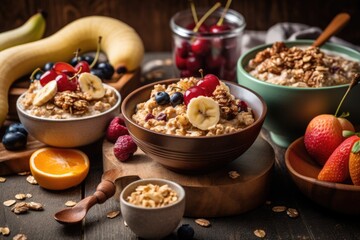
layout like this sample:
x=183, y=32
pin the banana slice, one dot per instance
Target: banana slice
x=91, y=85
x=203, y=112
x=45, y=94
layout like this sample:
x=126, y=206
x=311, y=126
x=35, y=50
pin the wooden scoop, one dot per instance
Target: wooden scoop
x=334, y=27
x=105, y=190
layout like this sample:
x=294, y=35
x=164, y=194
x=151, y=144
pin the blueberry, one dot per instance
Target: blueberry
x=75, y=60
x=97, y=72
x=16, y=127
x=185, y=232
x=176, y=98
x=14, y=140
x=107, y=69
x=38, y=75
x=89, y=59
x=162, y=98
x=48, y=66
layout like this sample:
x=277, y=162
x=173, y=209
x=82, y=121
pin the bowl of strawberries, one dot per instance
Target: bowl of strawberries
x=325, y=163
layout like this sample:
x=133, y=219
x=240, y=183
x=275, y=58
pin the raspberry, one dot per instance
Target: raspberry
x=116, y=129
x=124, y=147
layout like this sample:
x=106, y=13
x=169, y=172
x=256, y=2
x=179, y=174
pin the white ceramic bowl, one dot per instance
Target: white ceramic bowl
x=73, y=132
x=157, y=222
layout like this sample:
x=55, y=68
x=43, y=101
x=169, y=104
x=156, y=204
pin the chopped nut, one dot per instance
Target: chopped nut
x=260, y=233
x=8, y=203
x=28, y=195
x=279, y=209
x=20, y=237
x=70, y=203
x=23, y=173
x=2, y=179
x=20, y=196
x=35, y=206
x=234, y=174
x=20, y=207
x=5, y=231
x=113, y=214
x=203, y=222
x=31, y=180
x=292, y=212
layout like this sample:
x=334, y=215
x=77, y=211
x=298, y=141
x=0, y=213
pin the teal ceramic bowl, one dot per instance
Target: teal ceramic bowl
x=291, y=108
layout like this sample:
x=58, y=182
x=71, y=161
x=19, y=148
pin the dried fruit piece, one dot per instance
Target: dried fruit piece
x=70, y=203
x=113, y=214
x=279, y=209
x=260, y=233
x=203, y=222
x=8, y=203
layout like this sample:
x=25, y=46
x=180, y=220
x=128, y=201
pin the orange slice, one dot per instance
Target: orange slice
x=58, y=168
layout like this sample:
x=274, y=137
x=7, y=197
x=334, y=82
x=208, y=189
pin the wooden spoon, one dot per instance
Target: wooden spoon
x=105, y=190
x=335, y=26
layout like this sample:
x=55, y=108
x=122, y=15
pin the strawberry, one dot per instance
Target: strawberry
x=323, y=134
x=354, y=163
x=336, y=168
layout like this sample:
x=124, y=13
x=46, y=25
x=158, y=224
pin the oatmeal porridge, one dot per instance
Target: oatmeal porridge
x=215, y=114
x=66, y=104
x=301, y=67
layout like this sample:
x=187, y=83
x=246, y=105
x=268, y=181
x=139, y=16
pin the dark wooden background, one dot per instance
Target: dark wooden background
x=150, y=18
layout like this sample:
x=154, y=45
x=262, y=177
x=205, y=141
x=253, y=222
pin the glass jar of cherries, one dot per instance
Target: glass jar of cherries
x=211, y=42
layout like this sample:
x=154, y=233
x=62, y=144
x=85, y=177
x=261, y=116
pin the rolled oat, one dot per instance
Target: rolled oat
x=5, y=231
x=30, y=179
x=260, y=233
x=203, y=222
x=113, y=214
x=2, y=179
x=10, y=202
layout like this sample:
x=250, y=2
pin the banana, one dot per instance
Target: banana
x=45, y=93
x=91, y=85
x=120, y=43
x=203, y=112
x=33, y=29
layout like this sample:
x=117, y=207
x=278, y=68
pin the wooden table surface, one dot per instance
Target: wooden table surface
x=313, y=222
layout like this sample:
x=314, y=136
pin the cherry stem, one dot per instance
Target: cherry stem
x=97, y=53
x=220, y=22
x=77, y=54
x=201, y=73
x=352, y=84
x=206, y=15
x=32, y=77
x=76, y=74
x=193, y=11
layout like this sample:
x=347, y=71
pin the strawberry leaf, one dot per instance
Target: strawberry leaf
x=356, y=147
x=347, y=133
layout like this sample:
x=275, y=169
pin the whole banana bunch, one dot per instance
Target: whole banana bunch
x=33, y=29
x=120, y=42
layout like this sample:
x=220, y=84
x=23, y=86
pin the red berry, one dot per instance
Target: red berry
x=180, y=62
x=124, y=147
x=149, y=116
x=161, y=117
x=194, y=92
x=47, y=77
x=209, y=83
x=202, y=29
x=193, y=64
x=200, y=46
x=65, y=83
x=63, y=67
x=82, y=66
x=219, y=28
x=183, y=50
x=116, y=129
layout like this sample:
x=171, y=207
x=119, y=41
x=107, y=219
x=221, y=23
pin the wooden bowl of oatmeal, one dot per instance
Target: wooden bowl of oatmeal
x=299, y=83
x=182, y=147
x=67, y=128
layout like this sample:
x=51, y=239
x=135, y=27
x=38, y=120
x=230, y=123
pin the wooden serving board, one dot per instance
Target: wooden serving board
x=213, y=194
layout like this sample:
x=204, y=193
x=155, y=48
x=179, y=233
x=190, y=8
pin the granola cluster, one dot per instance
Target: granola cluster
x=301, y=67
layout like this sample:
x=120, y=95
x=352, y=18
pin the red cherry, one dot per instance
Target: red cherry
x=83, y=65
x=200, y=46
x=180, y=62
x=185, y=73
x=63, y=67
x=214, y=64
x=194, y=92
x=219, y=28
x=65, y=83
x=193, y=63
x=209, y=83
x=47, y=77
x=183, y=50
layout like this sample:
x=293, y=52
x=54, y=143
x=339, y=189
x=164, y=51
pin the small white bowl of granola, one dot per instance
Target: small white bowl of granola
x=152, y=208
x=68, y=118
x=299, y=82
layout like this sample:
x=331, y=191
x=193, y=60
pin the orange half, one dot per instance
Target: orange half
x=58, y=168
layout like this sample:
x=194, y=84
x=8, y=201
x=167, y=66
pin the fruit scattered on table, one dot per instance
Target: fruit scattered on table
x=185, y=232
x=116, y=129
x=124, y=148
x=59, y=168
x=15, y=137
